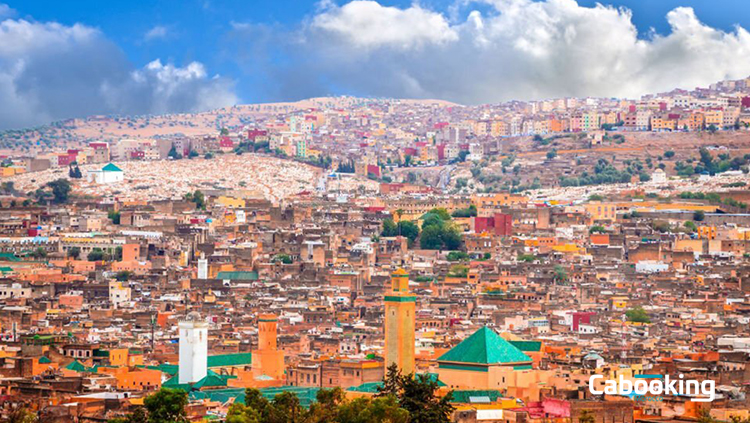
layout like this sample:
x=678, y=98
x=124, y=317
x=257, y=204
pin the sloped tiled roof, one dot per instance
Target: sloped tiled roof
x=527, y=346
x=485, y=347
x=77, y=366
x=111, y=168
x=230, y=360
x=465, y=396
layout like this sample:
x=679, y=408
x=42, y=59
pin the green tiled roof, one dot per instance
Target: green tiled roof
x=9, y=257
x=174, y=383
x=77, y=366
x=221, y=360
x=212, y=380
x=485, y=347
x=434, y=378
x=464, y=396
x=527, y=346
x=372, y=387
x=170, y=369
x=369, y=387
x=230, y=360
x=238, y=276
x=306, y=395
x=111, y=168
x=44, y=360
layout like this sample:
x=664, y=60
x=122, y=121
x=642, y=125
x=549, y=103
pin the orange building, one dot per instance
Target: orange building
x=400, y=307
x=267, y=359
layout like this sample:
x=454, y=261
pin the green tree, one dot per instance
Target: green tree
x=418, y=397
x=431, y=238
x=114, y=216
x=241, y=413
x=441, y=213
x=389, y=228
x=408, y=229
x=39, y=253
x=669, y=154
x=451, y=237
x=123, y=275
x=97, y=254
x=60, y=190
x=637, y=314
x=167, y=406
x=561, y=275
x=377, y=410
x=552, y=154
x=690, y=225
x=699, y=215
x=457, y=256
x=597, y=229
x=471, y=211
x=173, y=154
x=326, y=407
x=137, y=416
x=285, y=408
x=391, y=382
x=198, y=198
x=74, y=252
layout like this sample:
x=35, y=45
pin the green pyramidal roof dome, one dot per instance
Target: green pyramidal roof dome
x=485, y=347
x=111, y=168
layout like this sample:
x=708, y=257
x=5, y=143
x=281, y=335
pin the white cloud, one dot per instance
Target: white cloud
x=50, y=71
x=6, y=11
x=368, y=24
x=167, y=88
x=157, y=32
x=520, y=49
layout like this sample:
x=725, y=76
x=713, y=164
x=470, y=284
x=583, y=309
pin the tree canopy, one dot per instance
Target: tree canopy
x=439, y=232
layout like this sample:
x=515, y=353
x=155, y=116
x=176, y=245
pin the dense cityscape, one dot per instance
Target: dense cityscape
x=373, y=260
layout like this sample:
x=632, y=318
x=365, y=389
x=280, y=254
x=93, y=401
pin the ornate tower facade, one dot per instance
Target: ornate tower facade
x=400, y=308
x=267, y=359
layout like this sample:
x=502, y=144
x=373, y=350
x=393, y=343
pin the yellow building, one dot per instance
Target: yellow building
x=400, y=307
x=230, y=202
x=713, y=117
x=601, y=211
x=619, y=303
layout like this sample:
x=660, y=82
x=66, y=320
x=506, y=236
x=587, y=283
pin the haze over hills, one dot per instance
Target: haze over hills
x=74, y=133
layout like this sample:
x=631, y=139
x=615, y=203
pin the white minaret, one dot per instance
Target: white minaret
x=202, y=267
x=193, y=349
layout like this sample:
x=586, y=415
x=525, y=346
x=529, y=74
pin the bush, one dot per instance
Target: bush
x=457, y=256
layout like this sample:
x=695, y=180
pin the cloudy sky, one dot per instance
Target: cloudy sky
x=68, y=59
